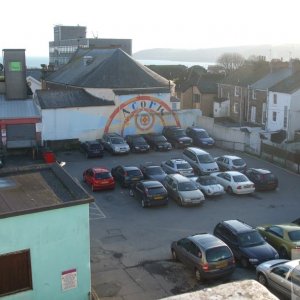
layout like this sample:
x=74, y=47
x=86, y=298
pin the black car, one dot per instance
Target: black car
x=246, y=243
x=263, y=179
x=150, y=193
x=200, y=137
x=92, y=149
x=177, y=136
x=157, y=142
x=137, y=143
x=153, y=172
x=127, y=175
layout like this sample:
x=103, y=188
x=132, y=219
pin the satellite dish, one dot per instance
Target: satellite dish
x=1, y=67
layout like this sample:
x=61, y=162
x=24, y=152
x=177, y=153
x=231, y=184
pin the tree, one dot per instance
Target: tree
x=230, y=61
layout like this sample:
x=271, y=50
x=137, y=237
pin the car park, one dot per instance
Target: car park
x=282, y=276
x=246, y=243
x=263, y=179
x=231, y=163
x=157, y=142
x=200, y=137
x=206, y=255
x=201, y=161
x=183, y=190
x=283, y=237
x=177, y=136
x=137, y=143
x=92, y=149
x=177, y=165
x=99, y=178
x=153, y=171
x=150, y=193
x=234, y=182
x=127, y=175
x=115, y=143
x=209, y=186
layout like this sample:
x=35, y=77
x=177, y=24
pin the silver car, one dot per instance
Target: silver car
x=183, y=190
x=281, y=275
x=177, y=165
x=208, y=185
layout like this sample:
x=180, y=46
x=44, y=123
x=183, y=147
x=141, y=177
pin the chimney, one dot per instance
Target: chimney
x=15, y=73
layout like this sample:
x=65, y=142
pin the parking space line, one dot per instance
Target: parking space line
x=95, y=212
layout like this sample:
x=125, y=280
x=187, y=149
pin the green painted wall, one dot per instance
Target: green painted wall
x=58, y=241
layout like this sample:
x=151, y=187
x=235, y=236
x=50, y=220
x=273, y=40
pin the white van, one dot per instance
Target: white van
x=201, y=161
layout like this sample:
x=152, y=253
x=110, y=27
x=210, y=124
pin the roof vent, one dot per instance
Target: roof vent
x=87, y=60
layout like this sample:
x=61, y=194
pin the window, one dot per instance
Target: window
x=274, y=98
x=236, y=91
x=174, y=106
x=15, y=272
x=274, y=116
x=264, y=110
x=196, y=98
x=253, y=94
x=236, y=108
x=285, y=117
x=276, y=231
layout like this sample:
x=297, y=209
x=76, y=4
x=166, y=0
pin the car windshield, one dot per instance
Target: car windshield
x=139, y=140
x=205, y=158
x=294, y=235
x=218, y=254
x=95, y=146
x=207, y=181
x=134, y=172
x=187, y=186
x=179, y=132
x=250, y=239
x=240, y=178
x=156, y=190
x=159, y=138
x=268, y=176
x=202, y=134
x=238, y=162
x=117, y=141
x=183, y=166
x=103, y=175
x=154, y=171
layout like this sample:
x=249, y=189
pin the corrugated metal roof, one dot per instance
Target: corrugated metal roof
x=106, y=68
x=51, y=99
x=18, y=109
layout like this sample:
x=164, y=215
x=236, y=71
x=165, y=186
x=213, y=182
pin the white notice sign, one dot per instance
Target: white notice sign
x=69, y=279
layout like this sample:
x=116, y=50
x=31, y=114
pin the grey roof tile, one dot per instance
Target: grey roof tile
x=288, y=85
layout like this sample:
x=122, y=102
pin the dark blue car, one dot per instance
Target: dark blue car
x=200, y=137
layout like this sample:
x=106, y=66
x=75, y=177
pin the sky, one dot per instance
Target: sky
x=180, y=24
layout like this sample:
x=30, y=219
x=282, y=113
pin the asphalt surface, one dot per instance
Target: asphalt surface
x=130, y=245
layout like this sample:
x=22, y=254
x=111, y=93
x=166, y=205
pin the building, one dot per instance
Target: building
x=67, y=39
x=44, y=229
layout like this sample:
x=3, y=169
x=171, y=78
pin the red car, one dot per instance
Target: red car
x=99, y=178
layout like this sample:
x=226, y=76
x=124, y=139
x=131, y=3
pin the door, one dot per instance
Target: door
x=20, y=136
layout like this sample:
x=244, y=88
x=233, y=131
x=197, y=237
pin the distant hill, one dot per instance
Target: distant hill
x=211, y=54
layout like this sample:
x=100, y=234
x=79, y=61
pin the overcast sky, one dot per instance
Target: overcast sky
x=184, y=24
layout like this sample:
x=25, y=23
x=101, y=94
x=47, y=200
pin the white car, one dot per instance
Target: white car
x=208, y=185
x=234, y=182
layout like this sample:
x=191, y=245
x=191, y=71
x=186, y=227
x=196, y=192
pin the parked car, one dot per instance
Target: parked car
x=157, y=142
x=92, y=149
x=263, y=179
x=283, y=237
x=99, y=178
x=177, y=165
x=246, y=243
x=183, y=190
x=137, y=143
x=200, y=137
x=150, y=193
x=281, y=275
x=201, y=161
x=209, y=186
x=177, y=136
x=231, y=163
x=206, y=255
x=127, y=175
x=234, y=182
x=114, y=143
x=153, y=172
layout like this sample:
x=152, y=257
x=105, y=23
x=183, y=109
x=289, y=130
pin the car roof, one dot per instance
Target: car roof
x=134, y=135
x=260, y=171
x=178, y=160
x=233, y=173
x=197, y=150
x=292, y=263
x=287, y=226
x=197, y=129
x=238, y=226
x=151, y=183
x=130, y=168
x=100, y=169
x=93, y=142
x=206, y=240
x=231, y=156
x=113, y=134
x=179, y=177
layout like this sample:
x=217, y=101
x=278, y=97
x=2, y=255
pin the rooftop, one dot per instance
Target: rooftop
x=38, y=188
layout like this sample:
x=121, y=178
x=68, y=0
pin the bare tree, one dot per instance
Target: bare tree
x=230, y=61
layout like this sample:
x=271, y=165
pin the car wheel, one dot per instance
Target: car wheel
x=283, y=253
x=174, y=256
x=261, y=278
x=229, y=190
x=244, y=262
x=198, y=275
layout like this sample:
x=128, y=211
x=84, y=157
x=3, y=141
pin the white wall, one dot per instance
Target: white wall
x=294, y=115
x=34, y=84
x=221, y=109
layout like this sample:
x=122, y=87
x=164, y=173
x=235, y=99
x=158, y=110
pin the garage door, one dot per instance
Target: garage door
x=20, y=136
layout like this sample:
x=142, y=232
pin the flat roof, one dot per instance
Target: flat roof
x=31, y=189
